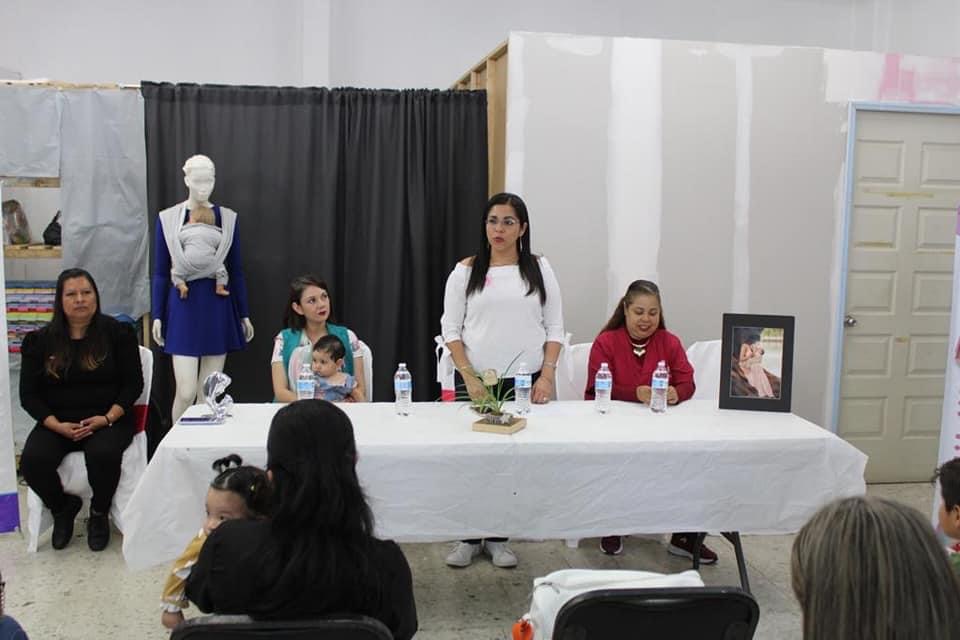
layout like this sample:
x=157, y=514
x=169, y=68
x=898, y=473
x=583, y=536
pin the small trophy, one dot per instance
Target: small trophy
x=215, y=385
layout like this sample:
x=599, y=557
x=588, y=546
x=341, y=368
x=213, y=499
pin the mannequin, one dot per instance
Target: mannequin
x=198, y=330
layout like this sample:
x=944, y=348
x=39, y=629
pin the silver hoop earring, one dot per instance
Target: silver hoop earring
x=520, y=240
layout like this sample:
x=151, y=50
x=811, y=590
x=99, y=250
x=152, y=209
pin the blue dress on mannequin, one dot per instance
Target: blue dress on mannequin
x=203, y=324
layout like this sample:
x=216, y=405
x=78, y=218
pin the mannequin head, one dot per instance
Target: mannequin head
x=199, y=175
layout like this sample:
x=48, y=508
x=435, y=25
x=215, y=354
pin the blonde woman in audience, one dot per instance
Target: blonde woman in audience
x=872, y=568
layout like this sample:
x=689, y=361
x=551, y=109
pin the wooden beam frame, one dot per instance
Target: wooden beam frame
x=490, y=75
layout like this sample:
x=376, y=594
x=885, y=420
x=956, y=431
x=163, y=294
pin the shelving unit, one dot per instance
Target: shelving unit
x=32, y=251
x=30, y=272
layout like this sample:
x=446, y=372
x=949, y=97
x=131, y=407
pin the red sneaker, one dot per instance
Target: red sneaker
x=611, y=545
x=682, y=545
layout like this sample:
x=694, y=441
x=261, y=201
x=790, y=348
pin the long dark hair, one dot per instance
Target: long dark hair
x=528, y=263
x=292, y=319
x=248, y=482
x=89, y=352
x=636, y=288
x=320, y=515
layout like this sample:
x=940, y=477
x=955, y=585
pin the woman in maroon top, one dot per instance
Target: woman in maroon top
x=633, y=341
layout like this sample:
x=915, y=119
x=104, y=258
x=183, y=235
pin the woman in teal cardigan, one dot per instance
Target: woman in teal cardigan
x=306, y=317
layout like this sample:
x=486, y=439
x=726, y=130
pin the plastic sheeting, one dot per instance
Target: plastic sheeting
x=571, y=473
x=103, y=184
x=30, y=132
x=93, y=139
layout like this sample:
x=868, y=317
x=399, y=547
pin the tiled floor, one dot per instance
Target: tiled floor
x=76, y=594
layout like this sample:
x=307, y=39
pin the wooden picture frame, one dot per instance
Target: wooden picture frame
x=756, y=362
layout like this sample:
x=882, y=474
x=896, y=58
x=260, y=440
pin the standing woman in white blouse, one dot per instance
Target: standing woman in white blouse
x=502, y=306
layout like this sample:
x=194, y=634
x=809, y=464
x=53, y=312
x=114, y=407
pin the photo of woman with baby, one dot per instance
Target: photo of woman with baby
x=757, y=368
x=755, y=362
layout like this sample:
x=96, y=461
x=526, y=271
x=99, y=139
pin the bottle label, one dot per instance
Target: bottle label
x=305, y=388
x=523, y=381
x=402, y=385
x=603, y=385
x=660, y=383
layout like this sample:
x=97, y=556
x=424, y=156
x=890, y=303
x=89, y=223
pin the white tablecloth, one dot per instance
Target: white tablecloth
x=572, y=473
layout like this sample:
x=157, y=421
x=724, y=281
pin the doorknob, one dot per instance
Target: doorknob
x=849, y=321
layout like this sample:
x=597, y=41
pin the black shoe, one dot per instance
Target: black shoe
x=611, y=545
x=63, y=521
x=98, y=531
x=682, y=545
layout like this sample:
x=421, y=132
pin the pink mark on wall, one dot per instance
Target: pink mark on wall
x=922, y=80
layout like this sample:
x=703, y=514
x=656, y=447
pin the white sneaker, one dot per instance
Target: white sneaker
x=463, y=554
x=500, y=554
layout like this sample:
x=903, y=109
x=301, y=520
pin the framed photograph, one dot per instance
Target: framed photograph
x=756, y=366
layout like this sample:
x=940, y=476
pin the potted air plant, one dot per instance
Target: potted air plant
x=490, y=405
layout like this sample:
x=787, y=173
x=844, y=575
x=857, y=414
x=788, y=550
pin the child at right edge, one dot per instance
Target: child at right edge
x=949, y=515
x=238, y=491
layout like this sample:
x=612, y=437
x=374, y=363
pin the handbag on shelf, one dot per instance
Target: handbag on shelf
x=16, y=229
x=51, y=235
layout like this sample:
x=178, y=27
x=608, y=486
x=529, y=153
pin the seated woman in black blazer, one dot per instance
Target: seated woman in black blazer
x=317, y=554
x=79, y=378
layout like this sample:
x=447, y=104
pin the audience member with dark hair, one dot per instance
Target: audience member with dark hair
x=79, y=379
x=238, y=491
x=317, y=553
x=867, y=567
x=10, y=629
x=949, y=513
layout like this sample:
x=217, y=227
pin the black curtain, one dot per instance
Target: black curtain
x=378, y=192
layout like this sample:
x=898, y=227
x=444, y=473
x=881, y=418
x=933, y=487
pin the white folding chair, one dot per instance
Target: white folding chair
x=705, y=357
x=572, y=370
x=445, y=369
x=367, y=369
x=73, y=469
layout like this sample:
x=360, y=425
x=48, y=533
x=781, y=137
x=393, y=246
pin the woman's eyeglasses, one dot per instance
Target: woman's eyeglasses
x=507, y=222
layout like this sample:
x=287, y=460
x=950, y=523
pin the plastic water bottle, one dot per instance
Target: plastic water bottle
x=522, y=382
x=658, y=388
x=403, y=390
x=306, y=382
x=602, y=386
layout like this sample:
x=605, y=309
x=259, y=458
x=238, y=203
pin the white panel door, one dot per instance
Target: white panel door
x=899, y=283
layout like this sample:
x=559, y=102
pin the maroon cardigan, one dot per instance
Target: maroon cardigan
x=629, y=371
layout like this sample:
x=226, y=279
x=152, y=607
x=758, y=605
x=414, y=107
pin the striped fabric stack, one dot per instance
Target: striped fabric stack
x=29, y=307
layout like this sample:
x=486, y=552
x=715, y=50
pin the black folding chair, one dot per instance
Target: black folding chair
x=340, y=627
x=687, y=613
x=733, y=537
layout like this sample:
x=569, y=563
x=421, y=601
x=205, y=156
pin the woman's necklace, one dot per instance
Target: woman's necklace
x=639, y=348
